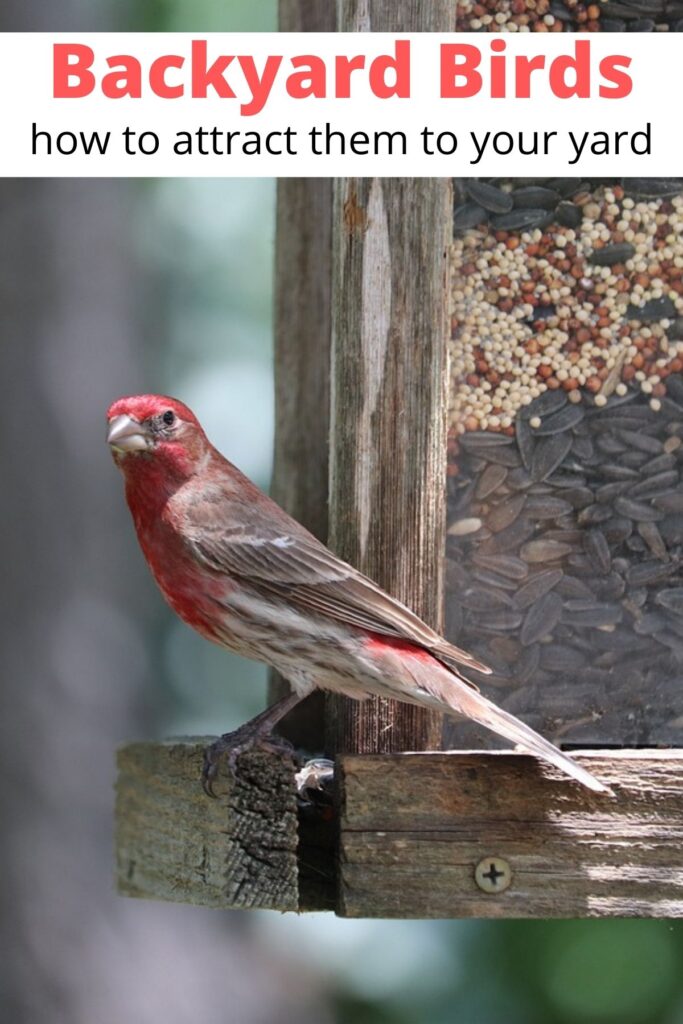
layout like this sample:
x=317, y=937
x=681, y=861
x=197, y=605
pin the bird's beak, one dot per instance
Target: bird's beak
x=127, y=435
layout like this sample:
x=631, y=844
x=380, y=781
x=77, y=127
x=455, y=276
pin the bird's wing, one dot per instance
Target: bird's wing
x=295, y=566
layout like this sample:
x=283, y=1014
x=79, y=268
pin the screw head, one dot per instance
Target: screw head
x=493, y=875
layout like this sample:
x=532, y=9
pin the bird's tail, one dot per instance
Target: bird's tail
x=450, y=691
x=504, y=724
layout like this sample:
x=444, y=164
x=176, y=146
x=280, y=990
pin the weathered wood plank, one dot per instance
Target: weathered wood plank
x=303, y=329
x=306, y=16
x=388, y=433
x=174, y=843
x=388, y=430
x=302, y=349
x=389, y=16
x=414, y=827
x=303, y=258
x=303, y=321
x=390, y=299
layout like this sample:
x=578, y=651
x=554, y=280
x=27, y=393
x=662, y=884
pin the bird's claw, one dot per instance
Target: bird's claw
x=212, y=756
x=228, y=747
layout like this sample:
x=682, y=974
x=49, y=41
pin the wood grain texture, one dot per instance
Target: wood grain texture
x=303, y=321
x=388, y=429
x=389, y=16
x=303, y=282
x=302, y=349
x=414, y=827
x=411, y=829
x=306, y=16
x=303, y=274
x=174, y=843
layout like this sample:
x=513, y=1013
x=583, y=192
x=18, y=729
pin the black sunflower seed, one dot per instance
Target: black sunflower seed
x=536, y=587
x=637, y=510
x=541, y=618
x=653, y=188
x=505, y=513
x=507, y=565
x=617, y=529
x=490, y=480
x=548, y=453
x=545, y=405
x=468, y=216
x=535, y=197
x=565, y=419
x=521, y=220
x=609, y=255
x=650, y=312
x=569, y=215
x=504, y=455
x=644, y=574
x=541, y=551
x=597, y=549
x=483, y=599
x=654, y=540
x=499, y=621
x=671, y=502
x=490, y=197
x=480, y=440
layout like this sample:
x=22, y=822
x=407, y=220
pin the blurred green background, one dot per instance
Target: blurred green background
x=112, y=287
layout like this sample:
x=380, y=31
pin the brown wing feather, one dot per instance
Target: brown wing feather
x=290, y=562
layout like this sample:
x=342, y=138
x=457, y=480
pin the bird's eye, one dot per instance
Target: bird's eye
x=169, y=417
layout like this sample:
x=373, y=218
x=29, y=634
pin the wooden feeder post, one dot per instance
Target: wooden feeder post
x=391, y=240
x=388, y=428
x=303, y=331
x=362, y=326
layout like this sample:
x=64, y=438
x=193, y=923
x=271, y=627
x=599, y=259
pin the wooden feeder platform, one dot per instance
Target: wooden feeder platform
x=407, y=835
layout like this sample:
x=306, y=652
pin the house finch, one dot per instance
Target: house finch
x=246, y=575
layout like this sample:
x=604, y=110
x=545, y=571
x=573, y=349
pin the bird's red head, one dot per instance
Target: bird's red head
x=148, y=432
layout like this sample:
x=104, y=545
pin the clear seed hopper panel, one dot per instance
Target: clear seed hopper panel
x=569, y=16
x=565, y=462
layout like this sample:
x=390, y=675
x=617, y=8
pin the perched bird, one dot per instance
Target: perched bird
x=246, y=575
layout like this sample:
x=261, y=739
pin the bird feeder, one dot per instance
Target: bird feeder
x=479, y=403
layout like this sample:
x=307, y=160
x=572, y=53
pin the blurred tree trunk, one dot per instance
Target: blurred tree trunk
x=74, y=630
x=73, y=651
x=73, y=637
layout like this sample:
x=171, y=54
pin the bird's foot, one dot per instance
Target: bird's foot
x=228, y=747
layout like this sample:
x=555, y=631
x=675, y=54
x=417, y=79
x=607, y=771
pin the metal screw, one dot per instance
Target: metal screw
x=493, y=874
